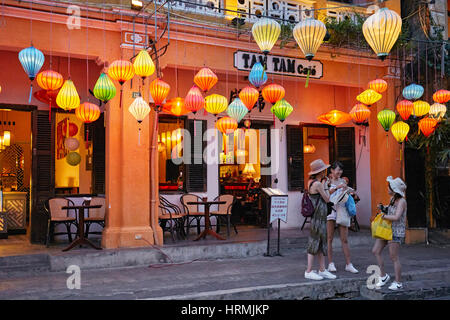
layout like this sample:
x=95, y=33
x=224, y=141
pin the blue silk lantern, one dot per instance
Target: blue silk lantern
x=257, y=76
x=237, y=110
x=413, y=92
x=32, y=60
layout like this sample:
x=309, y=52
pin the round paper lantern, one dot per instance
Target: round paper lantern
x=237, y=110
x=309, y=34
x=215, y=104
x=400, y=130
x=337, y=117
x=378, y=85
x=421, y=108
x=437, y=111
x=273, y=93
x=139, y=109
x=266, y=32
x=176, y=106
x=73, y=158
x=67, y=97
x=282, y=109
x=360, y=113
x=194, y=100
x=386, y=118
x=412, y=92
x=72, y=144
x=87, y=112
x=249, y=96
x=104, y=89
x=309, y=148
x=121, y=71
x=159, y=90
x=247, y=123
x=31, y=60
x=73, y=129
x=143, y=64
x=49, y=80
x=441, y=96
x=368, y=97
x=381, y=31
x=405, y=108
x=427, y=126
x=257, y=76
x=226, y=125
x=205, y=79
x=324, y=119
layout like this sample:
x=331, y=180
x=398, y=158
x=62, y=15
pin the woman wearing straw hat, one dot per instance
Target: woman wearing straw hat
x=317, y=242
x=395, y=212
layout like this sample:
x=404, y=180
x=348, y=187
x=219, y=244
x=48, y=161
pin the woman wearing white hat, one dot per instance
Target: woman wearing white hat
x=395, y=212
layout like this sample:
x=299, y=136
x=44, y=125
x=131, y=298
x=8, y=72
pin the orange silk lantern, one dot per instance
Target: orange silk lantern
x=337, y=117
x=324, y=119
x=87, y=112
x=273, y=93
x=205, y=79
x=249, y=96
x=378, y=85
x=360, y=113
x=194, y=100
x=176, y=106
x=405, y=109
x=427, y=126
x=441, y=96
x=159, y=90
x=50, y=80
x=226, y=125
x=122, y=71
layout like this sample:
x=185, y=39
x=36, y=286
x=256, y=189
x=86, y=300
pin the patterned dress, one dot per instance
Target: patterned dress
x=399, y=226
x=317, y=241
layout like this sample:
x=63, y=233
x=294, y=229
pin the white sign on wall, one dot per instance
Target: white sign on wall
x=288, y=66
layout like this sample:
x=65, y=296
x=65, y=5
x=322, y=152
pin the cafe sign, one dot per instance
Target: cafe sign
x=287, y=66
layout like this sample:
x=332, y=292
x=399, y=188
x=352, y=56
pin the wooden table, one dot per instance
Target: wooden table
x=207, y=230
x=81, y=239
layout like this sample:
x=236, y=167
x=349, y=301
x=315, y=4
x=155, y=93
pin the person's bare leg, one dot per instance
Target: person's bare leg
x=376, y=250
x=321, y=262
x=394, y=249
x=330, y=234
x=310, y=262
x=343, y=233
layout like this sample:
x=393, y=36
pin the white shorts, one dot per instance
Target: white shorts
x=332, y=216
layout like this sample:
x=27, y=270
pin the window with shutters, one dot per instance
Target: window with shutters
x=344, y=152
x=196, y=179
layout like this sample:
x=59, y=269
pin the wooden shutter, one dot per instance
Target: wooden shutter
x=345, y=152
x=97, y=130
x=294, y=141
x=43, y=174
x=196, y=170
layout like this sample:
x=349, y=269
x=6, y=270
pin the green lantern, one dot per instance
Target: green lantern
x=73, y=158
x=104, y=89
x=386, y=118
x=282, y=109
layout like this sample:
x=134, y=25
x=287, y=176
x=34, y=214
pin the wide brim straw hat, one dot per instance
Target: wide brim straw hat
x=317, y=166
x=397, y=185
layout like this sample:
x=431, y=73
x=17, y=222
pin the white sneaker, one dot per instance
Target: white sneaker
x=351, y=268
x=312, y=275
x=331, y=267
x=395, y=286
x=382, y=280
x=326, y=274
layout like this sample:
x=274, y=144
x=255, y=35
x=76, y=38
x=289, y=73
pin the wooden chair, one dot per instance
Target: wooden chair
x=95, y=215
x=170, y=215
x=56, y=215
x=224, y=212
x=191, y=211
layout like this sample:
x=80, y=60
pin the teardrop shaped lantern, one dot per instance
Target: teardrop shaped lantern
x=31, y=60
x=405, y=108
x=159, y=90
x=412, y=92
x=205, y=79
x=266, y=32
x=249, y=96
x=257, y=76
x=400, y=130
x=226, y=125
x=378, y=85
x=104, y=89
x=427, y=126
x=381, y=31
x=309, y=34
x=176, y=106
x=87, y=112
x=386, y=118
x=121, y=71
x=421, y=108
x=215, y=104
x=282, y=109
x=139, y=109
x=194, y=100
x=437, y=111
x=360, y=113
x=441, y=96
x=368, y=97
x=337, y=117
x=143, y=65
x=67, y=98
x=273, y=93
x=237, y=110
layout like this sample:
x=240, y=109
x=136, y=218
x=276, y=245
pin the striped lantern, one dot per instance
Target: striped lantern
x=50, y=81
x=421, y=108
x=360, y=113
x=437, y=111
x=205, y=79
x=237, y=110
x=386, y=118
x=143, y=65
x=400, y=131
x=369, y=97
x=226, y=125
x=87, y=112
x=121, y=71
x=31, y=60
x=194, y=100
x=273, y=93
x=139, y=109
x=249, y=96
x=405, y=108
x=215, y=104
x=67, y=98
x=282, y=109
x=266, y=32
x=378, y=85
x=412, y=92
x=427, y=126
x=159, y=90
x=441, y=96
x=309, y=34
x=257, y=76
x=104, y=88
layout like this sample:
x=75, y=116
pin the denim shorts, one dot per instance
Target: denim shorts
x=399, y=240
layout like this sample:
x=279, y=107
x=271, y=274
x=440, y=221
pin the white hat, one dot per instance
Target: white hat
x=397, y=185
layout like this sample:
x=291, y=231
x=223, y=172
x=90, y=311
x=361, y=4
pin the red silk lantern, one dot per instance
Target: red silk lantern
x=159, y=90
x=87, y=112
x=176, y=106
x=121, y=70
x=46, y=96
x=205, y=79
x=360, y=113
x=405, y=109
x=249, y=96
x=441, y=96
x=194, y=100
x=427, y=126
x=226, y=125
x=273, y=93
x=378, y=85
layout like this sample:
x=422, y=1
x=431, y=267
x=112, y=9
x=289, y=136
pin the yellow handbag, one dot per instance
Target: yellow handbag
x=381, y=228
